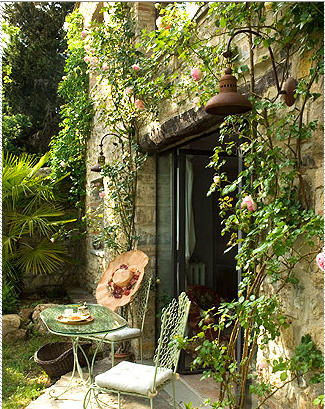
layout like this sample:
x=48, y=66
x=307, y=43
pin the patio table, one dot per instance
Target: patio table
x=104, y=321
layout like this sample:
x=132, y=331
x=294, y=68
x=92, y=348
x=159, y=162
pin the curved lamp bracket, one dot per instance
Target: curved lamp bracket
x=290, y=85
x=101, y=157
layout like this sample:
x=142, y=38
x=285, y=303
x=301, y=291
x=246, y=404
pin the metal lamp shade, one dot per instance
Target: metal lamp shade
x=228, y=102
x=96, y=168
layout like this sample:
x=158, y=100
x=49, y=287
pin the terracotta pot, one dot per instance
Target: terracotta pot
x=119, y=357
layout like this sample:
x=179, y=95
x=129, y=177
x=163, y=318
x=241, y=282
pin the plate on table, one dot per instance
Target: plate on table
x=75, y=319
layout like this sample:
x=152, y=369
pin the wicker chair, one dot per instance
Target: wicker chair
x=128, y=333
x=144, y=380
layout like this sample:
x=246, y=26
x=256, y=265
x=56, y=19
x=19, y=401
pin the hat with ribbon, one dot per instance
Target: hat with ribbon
x=122, y=279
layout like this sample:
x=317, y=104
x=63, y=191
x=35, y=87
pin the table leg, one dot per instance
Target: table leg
x=76, y=366
x=75, y=347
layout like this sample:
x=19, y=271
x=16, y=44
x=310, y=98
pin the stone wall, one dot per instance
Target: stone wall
x=96, y=259
x=304, y=301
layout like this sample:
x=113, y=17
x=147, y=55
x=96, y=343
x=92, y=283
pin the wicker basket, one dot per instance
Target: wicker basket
x=56, y=358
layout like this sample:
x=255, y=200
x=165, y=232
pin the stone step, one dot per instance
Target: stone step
x=78, y=295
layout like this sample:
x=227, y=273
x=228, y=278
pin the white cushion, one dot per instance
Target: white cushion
x=131, y=377
x=120, y=335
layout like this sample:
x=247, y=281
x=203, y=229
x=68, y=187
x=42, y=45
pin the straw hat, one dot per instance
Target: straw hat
x=121, y=279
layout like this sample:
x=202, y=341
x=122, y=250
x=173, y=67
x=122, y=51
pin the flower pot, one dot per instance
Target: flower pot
x=126, y=356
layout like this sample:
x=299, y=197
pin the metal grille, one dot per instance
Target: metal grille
x=140, y=303
x=174, y=319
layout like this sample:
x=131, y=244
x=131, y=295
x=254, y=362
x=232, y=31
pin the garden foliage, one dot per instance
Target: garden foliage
x=268, y=203
x=33, y=64
x=31, y=217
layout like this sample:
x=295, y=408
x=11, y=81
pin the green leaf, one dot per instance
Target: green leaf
x=266, y=43
x=223, y=22
x=283, y=376
x=244, y=68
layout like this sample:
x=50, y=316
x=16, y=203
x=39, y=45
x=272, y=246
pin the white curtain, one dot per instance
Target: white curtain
x=189, y=216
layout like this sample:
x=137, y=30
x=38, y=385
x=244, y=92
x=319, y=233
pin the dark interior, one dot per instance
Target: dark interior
x=183, y=181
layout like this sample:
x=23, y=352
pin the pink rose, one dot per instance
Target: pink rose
x=162, y=25
x=261, y=363
x=136, y=67
x=105, y=66
x=87, y=58
x=139, y=104
x=196, y=74
x=196, y=100
x=101, y=194
x=94, y=59
x=83, y=34
x=87, y=47
x=128, y=90
x=320, y=260
x=158, y=23
x=248, y=203
x=62, y=163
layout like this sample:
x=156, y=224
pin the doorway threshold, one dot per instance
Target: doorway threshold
x=191, y=389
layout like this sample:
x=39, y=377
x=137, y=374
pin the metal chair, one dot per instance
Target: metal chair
x=144, y=380
x=128, y=333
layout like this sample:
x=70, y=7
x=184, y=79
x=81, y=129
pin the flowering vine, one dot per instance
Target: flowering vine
x=271, y=208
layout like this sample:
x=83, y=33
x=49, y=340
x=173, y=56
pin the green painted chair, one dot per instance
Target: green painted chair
x=145, y=380
x=126, y=334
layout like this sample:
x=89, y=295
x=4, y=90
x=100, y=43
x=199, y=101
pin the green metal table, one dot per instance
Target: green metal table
x=105, y=321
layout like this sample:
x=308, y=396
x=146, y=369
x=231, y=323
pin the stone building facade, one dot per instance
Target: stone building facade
x=195, y=131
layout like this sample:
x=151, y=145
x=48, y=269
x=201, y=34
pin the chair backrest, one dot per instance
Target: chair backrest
x=174, y=320
x=141, y=300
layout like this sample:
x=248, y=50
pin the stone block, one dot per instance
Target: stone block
x=305, y=402
x=38, y=323
x=26, y=313
x=287, y=338
x=319, y=178
x=10, y=322
x=317, y=305
x=319, y=201
x=304, y=65
x=145, y=215
x=10, y=328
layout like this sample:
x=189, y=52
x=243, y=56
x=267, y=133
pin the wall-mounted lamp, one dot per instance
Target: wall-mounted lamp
x=101, y=157
x=229, y=102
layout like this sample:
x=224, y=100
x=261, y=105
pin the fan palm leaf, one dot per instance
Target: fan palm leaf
x=31, y=215
x=43, y=258
x=39, y=221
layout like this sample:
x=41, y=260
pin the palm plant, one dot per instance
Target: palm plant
x=31, y=215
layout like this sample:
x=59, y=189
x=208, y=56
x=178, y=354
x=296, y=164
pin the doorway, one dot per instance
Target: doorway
x=190, y=246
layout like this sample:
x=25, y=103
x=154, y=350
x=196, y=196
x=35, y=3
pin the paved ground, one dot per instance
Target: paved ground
x=73, y=398
x=187, y=388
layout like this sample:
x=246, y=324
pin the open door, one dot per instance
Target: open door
x=190, y=247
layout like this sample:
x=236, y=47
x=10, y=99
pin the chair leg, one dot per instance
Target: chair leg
x=173, y=387
x=112, y=354
x=119, y=400
x=151, y=403
x=86, y=399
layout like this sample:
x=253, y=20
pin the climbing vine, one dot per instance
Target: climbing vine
x=279, y=230
x=268, y=202
x=113, y=59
